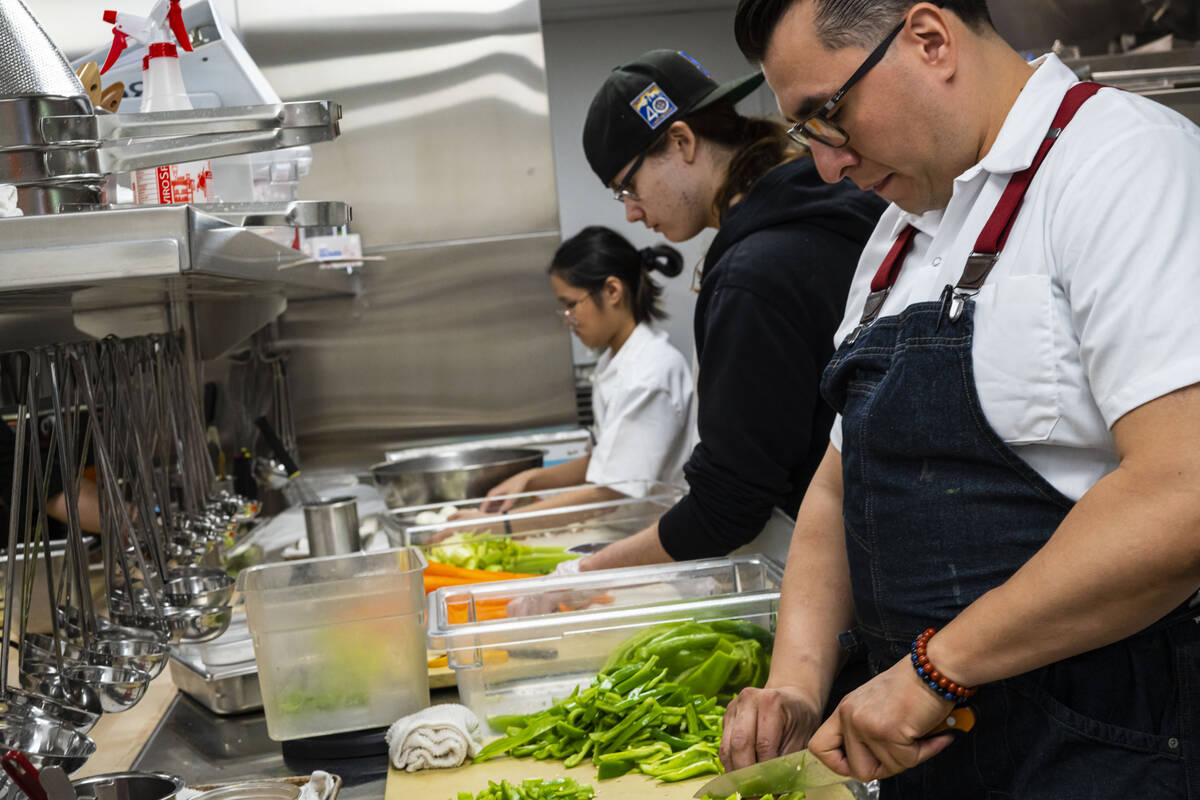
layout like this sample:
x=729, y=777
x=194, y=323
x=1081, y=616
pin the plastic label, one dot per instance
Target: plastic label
x=176, y=183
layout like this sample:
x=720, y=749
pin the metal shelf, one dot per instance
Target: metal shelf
x=114, y=271
x=289, y=214
x=134, y=256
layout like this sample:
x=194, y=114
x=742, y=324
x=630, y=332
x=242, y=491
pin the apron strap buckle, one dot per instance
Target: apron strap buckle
x=958, y=302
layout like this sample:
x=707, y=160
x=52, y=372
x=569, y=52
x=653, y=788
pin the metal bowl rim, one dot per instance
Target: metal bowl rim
x=435, y=462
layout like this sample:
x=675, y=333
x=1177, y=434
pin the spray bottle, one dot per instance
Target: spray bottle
x=162, y=90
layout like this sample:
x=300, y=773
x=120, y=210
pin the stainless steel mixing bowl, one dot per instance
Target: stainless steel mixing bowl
x=458, y=475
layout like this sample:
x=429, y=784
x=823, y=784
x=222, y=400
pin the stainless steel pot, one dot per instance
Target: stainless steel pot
x=448, y=476
x=132, y=785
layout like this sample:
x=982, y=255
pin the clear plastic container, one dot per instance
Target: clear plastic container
x=567, y=526
x=339, y=641
x=517, y=646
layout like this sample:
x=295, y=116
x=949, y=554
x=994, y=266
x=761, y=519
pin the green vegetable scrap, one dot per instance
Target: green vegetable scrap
x=300, y=701
x=717, y=658
x=629, y=718
x=532, y=789
x=788, y=796
x=498, y=554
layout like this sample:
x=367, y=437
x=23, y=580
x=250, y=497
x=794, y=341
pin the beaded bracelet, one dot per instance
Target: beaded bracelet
x=935, y=680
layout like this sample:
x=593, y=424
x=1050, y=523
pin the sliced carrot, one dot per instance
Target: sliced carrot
x=459, y=614
x=439, y=568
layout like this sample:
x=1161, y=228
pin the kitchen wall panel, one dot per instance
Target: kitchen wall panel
x=445, y=157
x=447, y=340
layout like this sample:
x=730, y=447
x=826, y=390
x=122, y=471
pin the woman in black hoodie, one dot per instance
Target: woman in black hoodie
x=665, y=137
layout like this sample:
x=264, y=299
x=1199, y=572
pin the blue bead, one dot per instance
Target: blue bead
x=921, y=671
x=949, y=695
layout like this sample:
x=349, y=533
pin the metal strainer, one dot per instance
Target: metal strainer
x=32, y=65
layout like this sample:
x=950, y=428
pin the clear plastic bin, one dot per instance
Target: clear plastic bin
x=517, y=646
x=339, y=641
x=568, y=526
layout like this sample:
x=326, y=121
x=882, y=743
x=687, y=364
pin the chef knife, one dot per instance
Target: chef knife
x=801, y=771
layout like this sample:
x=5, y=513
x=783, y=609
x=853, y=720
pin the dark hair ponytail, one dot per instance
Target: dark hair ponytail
x=590, y=257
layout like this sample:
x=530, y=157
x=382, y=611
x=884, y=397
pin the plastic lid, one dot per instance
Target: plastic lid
x=538, y=609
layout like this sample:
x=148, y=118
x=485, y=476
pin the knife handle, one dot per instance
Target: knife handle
x=277, y=447
x=960, y=719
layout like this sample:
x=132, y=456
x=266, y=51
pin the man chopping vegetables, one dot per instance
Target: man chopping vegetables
x=1008, y=512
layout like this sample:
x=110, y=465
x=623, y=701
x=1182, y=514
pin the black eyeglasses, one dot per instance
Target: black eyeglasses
x=818, y=125
x=622, y=192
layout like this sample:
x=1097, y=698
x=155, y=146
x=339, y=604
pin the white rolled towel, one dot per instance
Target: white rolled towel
x=438, y=737
x=8, y=201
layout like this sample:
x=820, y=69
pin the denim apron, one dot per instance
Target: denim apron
x=939, y=509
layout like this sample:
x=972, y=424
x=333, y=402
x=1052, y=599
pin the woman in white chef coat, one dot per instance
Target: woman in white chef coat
x=642, y=387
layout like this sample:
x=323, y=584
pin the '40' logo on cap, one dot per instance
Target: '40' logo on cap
x=653, y=105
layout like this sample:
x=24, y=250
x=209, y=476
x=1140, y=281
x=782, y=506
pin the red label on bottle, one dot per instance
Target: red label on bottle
x=163, y=181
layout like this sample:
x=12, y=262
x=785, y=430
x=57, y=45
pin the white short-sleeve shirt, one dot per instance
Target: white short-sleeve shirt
x=642, y=399
x=1090, y=310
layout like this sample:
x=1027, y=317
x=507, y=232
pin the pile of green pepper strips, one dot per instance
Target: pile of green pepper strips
x=562, y=789
x=655, y=707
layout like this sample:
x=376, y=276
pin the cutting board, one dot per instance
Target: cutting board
x=445, y=784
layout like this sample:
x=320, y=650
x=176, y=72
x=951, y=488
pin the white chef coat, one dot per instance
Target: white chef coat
x=1090, y=309
x=642, y=399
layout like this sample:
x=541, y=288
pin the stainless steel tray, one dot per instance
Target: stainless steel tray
x=226, y=692
x=216, y=673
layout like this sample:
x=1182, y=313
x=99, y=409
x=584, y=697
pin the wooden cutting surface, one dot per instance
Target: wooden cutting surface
x=445, y=784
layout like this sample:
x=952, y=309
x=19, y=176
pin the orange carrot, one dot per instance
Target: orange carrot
x=438, y=568
x=433, y=582
x=457, y=614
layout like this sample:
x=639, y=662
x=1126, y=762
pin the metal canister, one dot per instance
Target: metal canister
x=332, y=526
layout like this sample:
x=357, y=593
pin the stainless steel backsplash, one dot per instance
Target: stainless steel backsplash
x=445, y=157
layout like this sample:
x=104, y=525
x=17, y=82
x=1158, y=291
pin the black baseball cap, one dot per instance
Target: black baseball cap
x=640, y=99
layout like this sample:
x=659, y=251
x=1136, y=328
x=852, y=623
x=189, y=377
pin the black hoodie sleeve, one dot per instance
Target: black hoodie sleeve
x=758, y=388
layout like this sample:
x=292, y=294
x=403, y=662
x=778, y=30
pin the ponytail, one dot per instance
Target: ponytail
x=590, y=257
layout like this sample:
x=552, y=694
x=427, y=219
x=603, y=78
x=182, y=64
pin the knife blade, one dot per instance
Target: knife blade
x=801, y=771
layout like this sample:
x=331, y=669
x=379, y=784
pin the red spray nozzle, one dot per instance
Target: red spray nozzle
x=114, y=52
x=175, y=20
x=110, y=17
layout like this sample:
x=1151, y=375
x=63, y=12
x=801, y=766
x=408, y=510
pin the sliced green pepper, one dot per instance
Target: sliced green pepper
x=614, y=769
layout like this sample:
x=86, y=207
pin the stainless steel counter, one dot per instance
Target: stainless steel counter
x=203, y=747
